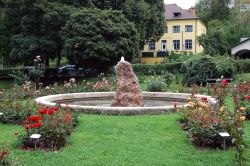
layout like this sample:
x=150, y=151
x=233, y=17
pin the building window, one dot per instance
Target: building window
x=176, y=44
x=188, y=45
x=188, y=28
x=151, y=46
x=176, y=29
x=165, y=29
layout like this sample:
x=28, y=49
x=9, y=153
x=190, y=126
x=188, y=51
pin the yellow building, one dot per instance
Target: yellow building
x=180, y=35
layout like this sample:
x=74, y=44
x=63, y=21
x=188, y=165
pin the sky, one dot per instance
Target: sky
x=185, y=4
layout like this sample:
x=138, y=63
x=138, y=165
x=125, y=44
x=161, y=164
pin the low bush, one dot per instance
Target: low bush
x=243, y=93
x=226, y=66
x=203, y=124
x=155, y=84
x=200, y=68
x=243, y=66
x=15, y=111
x=54, y=124
x=168, y=77
x=156, y=87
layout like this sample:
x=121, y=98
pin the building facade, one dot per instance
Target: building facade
x=180, y=35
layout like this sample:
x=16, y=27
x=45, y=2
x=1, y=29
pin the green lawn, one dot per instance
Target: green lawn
x=124, y=140
x=244, y=76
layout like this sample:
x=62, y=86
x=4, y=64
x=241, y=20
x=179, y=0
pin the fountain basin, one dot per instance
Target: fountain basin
x=100, y=102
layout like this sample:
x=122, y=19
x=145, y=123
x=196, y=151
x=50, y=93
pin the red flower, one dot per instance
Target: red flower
x=37, y=119
x=31, y=118
x=67, y=118
x=175, y=105
x=51, y=111
x=248, y=97
x=204, y=99
x=34, y=118
x=39, y=124
x=224, y=83
x=27, y=127
x=3, y=153
x=43, y=111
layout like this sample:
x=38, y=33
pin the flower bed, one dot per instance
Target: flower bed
x=203, y=124
x=54, y=124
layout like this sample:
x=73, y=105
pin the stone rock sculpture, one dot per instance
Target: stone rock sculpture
x=128, y=93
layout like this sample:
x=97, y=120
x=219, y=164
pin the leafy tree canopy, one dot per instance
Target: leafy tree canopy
x=98, y=38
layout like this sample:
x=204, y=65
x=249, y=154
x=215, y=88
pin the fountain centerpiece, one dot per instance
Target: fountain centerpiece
x=128, y=93
x=127, y=100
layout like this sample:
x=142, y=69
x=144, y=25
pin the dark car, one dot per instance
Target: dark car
x=71, y=70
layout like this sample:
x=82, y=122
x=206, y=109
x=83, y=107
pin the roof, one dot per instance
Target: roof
x=241, y=42
x=170, y=9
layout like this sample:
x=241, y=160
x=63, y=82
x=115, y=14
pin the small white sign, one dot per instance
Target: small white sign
x=224, y=134
x=35, y=136
x=1, y=113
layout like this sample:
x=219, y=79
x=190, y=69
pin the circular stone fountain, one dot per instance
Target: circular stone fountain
x=127, y=100
x=100, y=102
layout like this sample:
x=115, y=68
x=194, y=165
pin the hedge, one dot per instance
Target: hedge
x=144, y=69
x=243, y=66
x=48, y=72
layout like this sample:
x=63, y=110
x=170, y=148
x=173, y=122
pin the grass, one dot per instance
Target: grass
x=120, y=140
x=244, y=76
x=5, y=84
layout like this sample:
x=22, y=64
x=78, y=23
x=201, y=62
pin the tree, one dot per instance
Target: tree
x=209, y=10
x=221, y=36
x=147, y=15
x=76, y=3
x=99, y=38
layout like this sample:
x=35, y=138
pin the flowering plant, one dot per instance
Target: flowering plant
x=203, y=123
x=54, y=124
x=15, y=111
x=3, y=157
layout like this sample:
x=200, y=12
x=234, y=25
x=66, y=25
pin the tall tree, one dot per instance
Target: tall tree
x=98, y=38
x=209, y=10
x=147, y=15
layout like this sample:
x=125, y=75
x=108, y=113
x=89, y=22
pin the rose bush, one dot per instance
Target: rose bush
x=15, y=111
x=54, y=124
x=203, y=123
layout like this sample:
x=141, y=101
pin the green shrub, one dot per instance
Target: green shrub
x=243, y=66
x=144, y=69
x=54, y=125
x=155, y=83
x=226, y=66
x=203, y=123
x=156, y=87
x=14, y=111
x=168, y=77
x=198, y=69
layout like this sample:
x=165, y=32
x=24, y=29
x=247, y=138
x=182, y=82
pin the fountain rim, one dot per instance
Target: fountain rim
x=48, y=101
